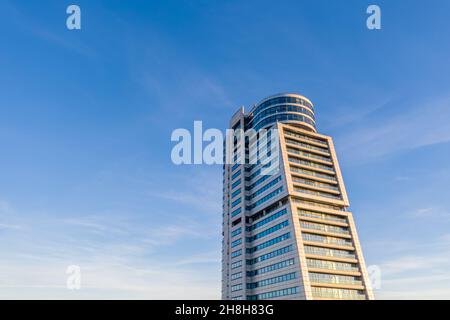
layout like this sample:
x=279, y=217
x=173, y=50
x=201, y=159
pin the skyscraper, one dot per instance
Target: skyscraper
x=288, y=234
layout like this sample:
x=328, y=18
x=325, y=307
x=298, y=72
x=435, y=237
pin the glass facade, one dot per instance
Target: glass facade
x=267, y=220
x=271, y=281
x=269, y=243
x=271, y=255
x=274, y=294
x=269, y=268
x=268, y=231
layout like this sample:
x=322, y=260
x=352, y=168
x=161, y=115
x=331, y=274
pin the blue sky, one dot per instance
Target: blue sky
x=86, y=118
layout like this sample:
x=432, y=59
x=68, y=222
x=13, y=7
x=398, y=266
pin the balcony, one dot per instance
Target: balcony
x=330, y=265
x=308, y=146
x=319, y=205
x=326, y=240
x=318, y=193
x=315, y=184
x=329, y=252
x=337, y=294
x=309, y=155
x=333, y=279
x=310, y=164
x=322, y=216
x=313, y=174
x=304, y=137
x=324, y=228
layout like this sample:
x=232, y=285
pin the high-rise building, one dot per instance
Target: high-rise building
x=288, y=234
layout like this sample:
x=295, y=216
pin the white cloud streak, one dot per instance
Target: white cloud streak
x=423, y=125
x=416, y=271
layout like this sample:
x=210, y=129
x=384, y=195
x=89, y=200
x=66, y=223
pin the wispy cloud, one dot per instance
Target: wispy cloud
x=190, y=92
x=105, y=278
x=403, y=264
x=94, y=224
x=5, y=207
x=135, y=231
x=190, y=198
x=412, y=270
x=348, y=115
x=423, y=125
x=29, y=24
x=416, y=277
x=6, y=217
x=198, y=189
x=121, y=256
x=210, y=257
x=430, y=212
x=402, y=178
x=10, y=226
x=169, y=234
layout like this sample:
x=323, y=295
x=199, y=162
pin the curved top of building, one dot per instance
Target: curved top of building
x=289, y=108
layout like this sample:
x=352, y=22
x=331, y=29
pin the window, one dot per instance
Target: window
x=265, y=188
x=236, y=212
x=272, y=267
x=236, y=222
x=236, y=287
x=236, y=232
x=283, y=117
x=338, y=293
x=274, y=294
x=269, y=243
x=235, y=193
x=318, y=204
x=315, y=183
x=308, y=154
x=267, y=211
x=325, y=239
x=334, y=279
x=268, y=231
x=237, y=275
x=265, y=198
x=236, y=183
x=331, y=265
x=236, y=202
x=281, y=109
x=236, y=243
x=305, y=137
x=236, y=264
x=313, y=173
x=258, y=182
x=257, y=172
x=323, y=227
x=307, y=146
x=329, y=252
x=281, y=100
x=270, y=255
x=267, y=220
x=270, y=281
x=236, y=253
x=310, y=164
x=317, y=193
x=322, y=216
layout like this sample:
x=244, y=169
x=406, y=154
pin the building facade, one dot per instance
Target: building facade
x=288, y=234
